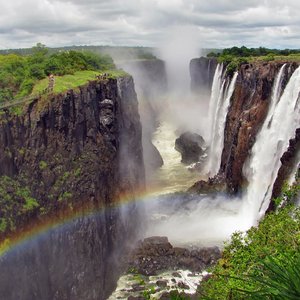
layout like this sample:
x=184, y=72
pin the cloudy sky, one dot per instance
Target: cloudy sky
x=212, y=23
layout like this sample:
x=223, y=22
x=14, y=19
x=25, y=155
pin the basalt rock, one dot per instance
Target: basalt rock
x=74, y=152
x=247, y=111
x=191, y=147
x=152, y=157
x=156, y=254
x=288, y=161
x=151, y=84
x=202, y=72
x=217, y=184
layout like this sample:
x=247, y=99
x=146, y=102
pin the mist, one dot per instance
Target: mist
x=180, y=46
x=198, y=220
x=168, y=108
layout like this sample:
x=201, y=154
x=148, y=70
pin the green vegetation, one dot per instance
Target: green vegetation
x=118, y=52
x=15, y=201
x=264, y=262
x=250, y=52
x=73, y=81
x=43, y=165
x=19, y=74
x=147, y=294
x=235, y=56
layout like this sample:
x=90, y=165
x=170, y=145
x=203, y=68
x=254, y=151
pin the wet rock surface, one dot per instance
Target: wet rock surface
x=202, y=72
x=288, y=160
x=248, y=109
x=152, y=157
x=156, y=254
x=217, y=184
x=191, y=146
x=73, y=151
x=159, y=270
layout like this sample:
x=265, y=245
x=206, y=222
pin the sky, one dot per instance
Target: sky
x=210, y=23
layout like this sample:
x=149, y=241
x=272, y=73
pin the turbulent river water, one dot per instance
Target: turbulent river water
x=173, y=176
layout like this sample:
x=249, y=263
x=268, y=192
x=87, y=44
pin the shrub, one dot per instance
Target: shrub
x=277, y=236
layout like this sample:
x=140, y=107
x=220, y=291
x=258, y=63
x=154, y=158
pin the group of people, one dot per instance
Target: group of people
x=102, y=76
x=51, y=83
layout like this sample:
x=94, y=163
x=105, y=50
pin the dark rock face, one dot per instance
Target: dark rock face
x=212, y=185
x=150, y=76
x=247, y=111
x=152, y=157
x=190, y=145
x=202, y=72
x=288, y=160
x=77, y=150
x=156, y=254
x=151, y=84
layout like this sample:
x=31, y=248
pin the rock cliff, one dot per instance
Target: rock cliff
x=247, y=111
x=248, y=108
x=71, y=152
x=202, y=72
x=150, y=79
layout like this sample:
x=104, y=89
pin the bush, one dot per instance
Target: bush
x=18, y=74
x=275, y=278
x=276, y=237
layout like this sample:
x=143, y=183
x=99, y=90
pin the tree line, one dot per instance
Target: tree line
x=19, y=73
x=247, y=52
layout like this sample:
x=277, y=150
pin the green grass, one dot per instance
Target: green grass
x=67, y=82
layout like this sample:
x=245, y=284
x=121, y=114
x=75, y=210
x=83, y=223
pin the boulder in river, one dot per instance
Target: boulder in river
x=191, y=146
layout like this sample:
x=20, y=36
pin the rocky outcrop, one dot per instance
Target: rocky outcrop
x=202, y=72
x=151, y=84
x=213, y=185
x=289, y=159
x=75, y=152
x=156, y=254
x=191, y=146
x=152, y=157
x=247, y=111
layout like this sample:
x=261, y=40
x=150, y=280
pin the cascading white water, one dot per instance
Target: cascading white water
x=210, y=222
x=219, y=103
x=271, y=142
x=216, y=90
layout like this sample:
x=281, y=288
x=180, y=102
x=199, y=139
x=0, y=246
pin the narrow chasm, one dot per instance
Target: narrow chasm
x=127, y=187
x=210, y=140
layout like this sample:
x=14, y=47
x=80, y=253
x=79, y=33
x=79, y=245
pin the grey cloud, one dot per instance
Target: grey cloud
x=147, y=22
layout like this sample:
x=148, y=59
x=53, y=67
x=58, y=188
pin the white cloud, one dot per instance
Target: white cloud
x=220, y=23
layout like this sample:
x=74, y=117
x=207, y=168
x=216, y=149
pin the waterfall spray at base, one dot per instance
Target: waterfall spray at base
x=272, y=141
x=211, y=219
x=222, y=90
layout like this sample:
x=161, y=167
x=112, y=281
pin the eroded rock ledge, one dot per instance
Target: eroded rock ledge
x=156, y=254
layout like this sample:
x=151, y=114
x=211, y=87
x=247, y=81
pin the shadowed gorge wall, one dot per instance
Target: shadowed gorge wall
x=79, y=149
x=202, y=72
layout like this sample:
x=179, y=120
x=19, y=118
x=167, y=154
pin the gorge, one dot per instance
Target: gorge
x=86, y=156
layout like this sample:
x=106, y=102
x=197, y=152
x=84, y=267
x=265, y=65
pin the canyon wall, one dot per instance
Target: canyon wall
x=247, y=111
x=151, y=84
x=76, y=151
x=202, y=72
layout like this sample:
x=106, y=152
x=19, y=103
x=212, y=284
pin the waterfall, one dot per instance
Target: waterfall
x=222, y=91
x=271, y=142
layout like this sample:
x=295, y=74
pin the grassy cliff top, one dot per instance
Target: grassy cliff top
x=73, y=81
x=19, y=74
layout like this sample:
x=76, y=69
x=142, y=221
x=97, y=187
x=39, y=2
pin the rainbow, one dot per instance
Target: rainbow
x=62, y=218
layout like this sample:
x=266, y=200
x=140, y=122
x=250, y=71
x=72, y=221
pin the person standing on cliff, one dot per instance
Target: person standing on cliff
x=51, y=83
